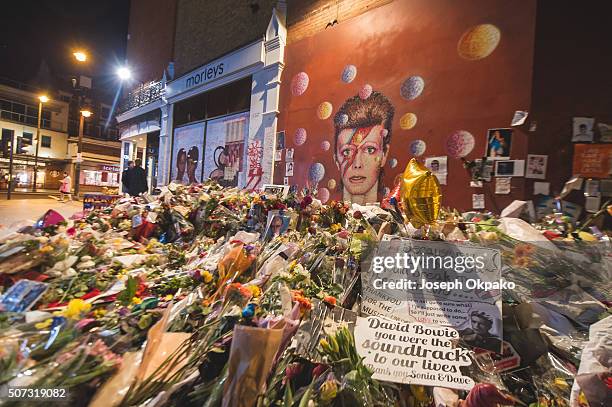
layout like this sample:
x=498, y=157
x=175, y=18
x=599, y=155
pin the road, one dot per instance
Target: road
x=17, y=210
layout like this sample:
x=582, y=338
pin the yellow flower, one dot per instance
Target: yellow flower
x=100, y=312
x=75, y=308
x=136, y=300
x=335, y=227
x=207, y=277
x=46, y=249
x=255, y=290
x=168, y=297
x=329, y=391
x=44, y=324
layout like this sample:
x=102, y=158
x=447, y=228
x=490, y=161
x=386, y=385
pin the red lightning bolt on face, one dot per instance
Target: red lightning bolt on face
x=348, y=151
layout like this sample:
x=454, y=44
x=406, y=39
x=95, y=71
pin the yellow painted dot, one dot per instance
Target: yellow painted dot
x=408, y=121
x=479, y=42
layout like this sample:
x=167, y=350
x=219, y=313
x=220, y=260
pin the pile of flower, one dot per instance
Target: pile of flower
x=184, y=300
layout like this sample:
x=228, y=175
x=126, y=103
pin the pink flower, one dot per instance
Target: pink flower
x=84, y=322
x=71, y=231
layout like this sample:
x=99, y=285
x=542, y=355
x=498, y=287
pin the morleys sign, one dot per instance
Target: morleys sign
x=207, y=74
x=234, y=63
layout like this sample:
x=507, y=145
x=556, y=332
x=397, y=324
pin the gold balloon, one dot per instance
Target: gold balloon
x=420, y=192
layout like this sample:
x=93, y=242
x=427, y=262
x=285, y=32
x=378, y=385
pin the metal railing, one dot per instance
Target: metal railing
x=142, y=95
x=31, y=120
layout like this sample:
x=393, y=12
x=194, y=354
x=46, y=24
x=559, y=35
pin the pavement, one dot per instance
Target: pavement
x=17, y=210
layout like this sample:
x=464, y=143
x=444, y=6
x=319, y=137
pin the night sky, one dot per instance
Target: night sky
x=33, y=31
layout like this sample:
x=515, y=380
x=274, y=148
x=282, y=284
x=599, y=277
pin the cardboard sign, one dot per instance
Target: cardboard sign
x=592, y=160
x=412, y=353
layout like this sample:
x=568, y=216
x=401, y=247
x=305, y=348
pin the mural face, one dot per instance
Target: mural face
x=364, y=98
x=362, y=145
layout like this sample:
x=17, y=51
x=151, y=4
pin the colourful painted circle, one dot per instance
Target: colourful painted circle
x=331, y=184
x=299, y=84
x=323, y=195
x=408, y=121
x=365, y=91
x=349, y=73
x=393, y=162
x=325, y=145
x=316, y=172
x=324, y=110
x=412, y=87
x=417, y=147
x=460, y=143
x=478, y=42
x=341, y=119
x=300, y=136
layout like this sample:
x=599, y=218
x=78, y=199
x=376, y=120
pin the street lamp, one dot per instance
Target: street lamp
x=41, y=99
x=80, y=56
x=84, y=113
x=124, y=73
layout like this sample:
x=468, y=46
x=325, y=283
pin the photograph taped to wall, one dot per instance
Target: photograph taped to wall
x=536, y=166
x=289, y=154
x=187, y=154
x=224, y=160
x=499, y=143
x=510, y=168
x=278, y=190
x=289, y=169
x=438, y=167
x=605, y=132
x=582, y=130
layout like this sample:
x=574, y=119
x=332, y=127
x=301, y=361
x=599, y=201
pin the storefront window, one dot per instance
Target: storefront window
x=100, y=178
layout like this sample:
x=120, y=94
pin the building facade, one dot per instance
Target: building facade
x=216, y=119
x=444, y=94
x=57, y=147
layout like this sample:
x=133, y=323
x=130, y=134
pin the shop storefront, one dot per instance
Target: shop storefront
x=50, y=172
x=217, y=121
x=140, y=141
x=100, y=175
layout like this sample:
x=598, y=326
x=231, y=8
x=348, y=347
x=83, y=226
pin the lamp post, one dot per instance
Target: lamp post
x=77, y=178
x=41, y=99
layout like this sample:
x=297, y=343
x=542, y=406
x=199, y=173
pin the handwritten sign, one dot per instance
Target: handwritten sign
x=412, y=353
x=592, y=160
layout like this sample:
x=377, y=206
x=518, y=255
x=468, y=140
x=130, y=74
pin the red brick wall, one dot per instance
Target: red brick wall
x=209, y=29
x=393, y=42
x=572, y=77
x=151, y=36
x=307, y=17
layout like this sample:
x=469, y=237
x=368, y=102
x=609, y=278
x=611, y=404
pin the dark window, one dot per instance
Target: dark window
x=5, y=142
x=45, y=141
x=46, y=114
x=232, y=98
x=18, y=108
x=29, y=136
x=5, y=105
x=104, y=112
x=32, y=111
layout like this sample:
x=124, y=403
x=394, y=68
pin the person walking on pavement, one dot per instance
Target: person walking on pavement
x=65, y=187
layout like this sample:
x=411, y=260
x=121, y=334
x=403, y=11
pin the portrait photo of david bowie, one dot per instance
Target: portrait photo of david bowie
x=362, y=146
x=479, y=334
